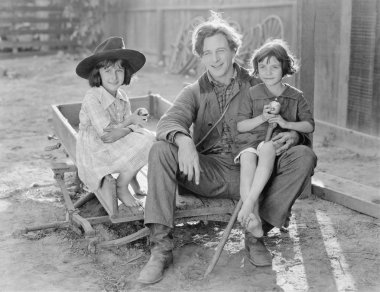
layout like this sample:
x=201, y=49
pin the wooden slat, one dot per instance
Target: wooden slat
x=54, y=43
x=355, y=196
x=24, y=8
x=361, y=77
x=35, y=19
x=54, y=31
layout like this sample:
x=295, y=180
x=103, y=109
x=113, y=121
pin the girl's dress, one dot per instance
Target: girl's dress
x=294, y=108
x=96, y=159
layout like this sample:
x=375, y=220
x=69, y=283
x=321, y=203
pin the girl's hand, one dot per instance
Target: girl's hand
x=113, y=134
x=279, y=120
x=110, y=127
x=266, y=112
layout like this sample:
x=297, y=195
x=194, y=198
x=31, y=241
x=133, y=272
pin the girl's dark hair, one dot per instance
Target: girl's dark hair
x=280, y=50
x=215, y=25
x=95, y=80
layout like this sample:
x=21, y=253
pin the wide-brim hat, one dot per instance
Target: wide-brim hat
x=111, y=48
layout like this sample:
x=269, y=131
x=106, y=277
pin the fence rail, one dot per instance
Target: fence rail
x=35, y=26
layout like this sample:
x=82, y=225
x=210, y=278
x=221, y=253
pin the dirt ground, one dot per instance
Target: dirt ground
x=327, y=247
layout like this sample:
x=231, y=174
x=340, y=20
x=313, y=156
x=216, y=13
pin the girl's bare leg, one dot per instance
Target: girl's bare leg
x=122, y=190
x=136, y=186
x=254, y=225
x=263, y=172
x=248, y=163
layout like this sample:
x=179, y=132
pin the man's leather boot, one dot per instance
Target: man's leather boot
x=161, y=257
x=256, y=251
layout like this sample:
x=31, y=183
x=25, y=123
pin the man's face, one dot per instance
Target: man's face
x=218, y=58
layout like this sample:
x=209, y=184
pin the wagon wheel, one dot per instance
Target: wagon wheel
x=251, y=41
x=235, y=25
x=272, y=27
x=182, y=58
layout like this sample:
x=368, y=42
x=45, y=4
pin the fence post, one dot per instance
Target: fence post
x=160, y=36
x=306, y=32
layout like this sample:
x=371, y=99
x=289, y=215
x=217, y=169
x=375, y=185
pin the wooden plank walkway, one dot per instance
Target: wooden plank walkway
x=353, y=195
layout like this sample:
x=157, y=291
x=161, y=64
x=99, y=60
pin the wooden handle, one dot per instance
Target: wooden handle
x=270, y=131
x=223, y=241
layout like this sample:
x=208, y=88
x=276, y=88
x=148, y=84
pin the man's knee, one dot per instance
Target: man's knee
x=304, y=157
x=160, y=149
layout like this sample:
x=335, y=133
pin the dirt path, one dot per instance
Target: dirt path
x=327, y=247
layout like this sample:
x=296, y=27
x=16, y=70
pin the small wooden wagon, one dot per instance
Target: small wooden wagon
x=65, y=122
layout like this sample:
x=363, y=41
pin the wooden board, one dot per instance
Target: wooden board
x=355, y=196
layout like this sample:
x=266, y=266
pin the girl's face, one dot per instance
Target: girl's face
x=112, y=77
x=270, y=71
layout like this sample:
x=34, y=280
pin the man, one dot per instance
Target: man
x=203, y=163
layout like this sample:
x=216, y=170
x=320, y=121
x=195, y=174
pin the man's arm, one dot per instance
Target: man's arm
x=188, y=158
x=179, y=117
x=174, y=127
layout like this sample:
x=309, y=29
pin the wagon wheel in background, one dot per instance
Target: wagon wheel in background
x=251, y=41
x=235, y=25
x=272, y=27
x=182, y=58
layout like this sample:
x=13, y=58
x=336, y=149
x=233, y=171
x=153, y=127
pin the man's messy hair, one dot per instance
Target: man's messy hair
x=215, y=25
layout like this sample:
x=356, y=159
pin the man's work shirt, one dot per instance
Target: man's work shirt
x=223, y=93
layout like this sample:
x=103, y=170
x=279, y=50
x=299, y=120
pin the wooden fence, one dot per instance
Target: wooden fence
x=34, y=26
x=347, y=70
x=156, y=27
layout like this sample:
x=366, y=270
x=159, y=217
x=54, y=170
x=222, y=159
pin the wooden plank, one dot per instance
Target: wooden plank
x=107, y=196
x=64, y=130
x=124, y=240
x=49, y=31
x=160, y=105
x=57, y=43
x=355, y=196
x=359, y=142
x=35, y=19
x=344, y=62
x=13, y=7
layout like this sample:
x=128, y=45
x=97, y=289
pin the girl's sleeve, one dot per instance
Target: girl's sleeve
x=245, y=111
x=98, y=116
x=304, y=112
x=245, y=108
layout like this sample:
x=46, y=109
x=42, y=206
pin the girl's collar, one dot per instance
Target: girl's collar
x=107, y=98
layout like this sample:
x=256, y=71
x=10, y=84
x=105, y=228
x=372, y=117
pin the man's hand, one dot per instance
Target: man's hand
x=113, y=134
x=284, y=140
x=188, y=158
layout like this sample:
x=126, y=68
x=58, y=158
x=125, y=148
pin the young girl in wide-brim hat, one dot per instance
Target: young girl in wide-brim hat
x=111, y=138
